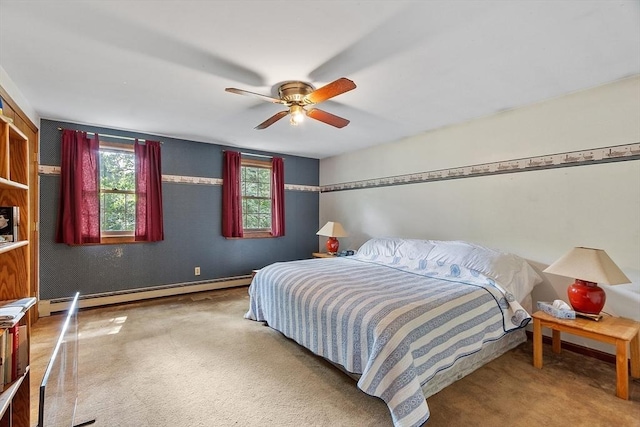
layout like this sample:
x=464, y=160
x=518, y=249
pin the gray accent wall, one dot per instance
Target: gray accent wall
x=192, y=225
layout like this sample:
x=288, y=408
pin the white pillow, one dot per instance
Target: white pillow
x=509, y=270
x=393, y=246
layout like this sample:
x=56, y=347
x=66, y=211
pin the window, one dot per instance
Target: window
x=117, y=192
x=109, y=193
x=252, y=197
x=255, y=178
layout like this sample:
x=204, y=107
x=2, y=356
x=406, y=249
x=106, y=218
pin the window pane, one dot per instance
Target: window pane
x=251, y=189
x=252, y=206
x=265, y=207
x=264, y=189
x=117, y=179
x=265, y=221
x=117, y=170
x=265, y=174
x=118, y=212
x=251, y=175
x=256, y=201
x=251, y=221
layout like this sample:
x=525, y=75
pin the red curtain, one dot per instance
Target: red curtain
x=79, y=207
x=277, y=197
x=231, y=195
x=149, y=221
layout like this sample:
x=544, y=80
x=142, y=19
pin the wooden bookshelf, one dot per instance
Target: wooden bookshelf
x=15, y=264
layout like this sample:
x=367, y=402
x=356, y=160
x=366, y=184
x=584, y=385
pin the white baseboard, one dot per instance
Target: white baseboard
x=47, y=307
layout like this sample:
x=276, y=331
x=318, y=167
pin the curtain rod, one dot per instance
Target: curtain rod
x=252, y=155
x=256, y=155
x=128, y=138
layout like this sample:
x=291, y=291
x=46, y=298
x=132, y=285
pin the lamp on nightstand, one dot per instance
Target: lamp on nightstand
x=589, y=267
x=332, y=230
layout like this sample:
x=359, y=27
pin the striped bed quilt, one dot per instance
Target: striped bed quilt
x=394, y=322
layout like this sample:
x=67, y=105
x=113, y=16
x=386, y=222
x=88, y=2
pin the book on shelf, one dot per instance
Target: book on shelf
x=12, y=312
x=23, y=303
x=23, y=351
x=10, y=323
x=9, y=223
x=3, y=358
x=14, y=354
x=12, y=358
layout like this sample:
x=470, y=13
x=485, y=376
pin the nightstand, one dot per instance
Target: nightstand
x=613, y=330
x=323, y=255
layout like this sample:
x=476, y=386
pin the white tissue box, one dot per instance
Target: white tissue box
x=548, y=308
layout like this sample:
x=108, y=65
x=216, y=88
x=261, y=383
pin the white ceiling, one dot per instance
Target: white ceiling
x=161, y=67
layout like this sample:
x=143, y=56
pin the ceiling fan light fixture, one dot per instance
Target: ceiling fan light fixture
x=297, y=95
x=297, y=115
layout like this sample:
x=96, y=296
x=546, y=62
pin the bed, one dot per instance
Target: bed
x=406, y=317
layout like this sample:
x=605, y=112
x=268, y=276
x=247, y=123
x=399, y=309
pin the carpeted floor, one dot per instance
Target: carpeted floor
x=195, y=361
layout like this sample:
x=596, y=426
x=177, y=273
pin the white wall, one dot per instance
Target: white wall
x=538, y=215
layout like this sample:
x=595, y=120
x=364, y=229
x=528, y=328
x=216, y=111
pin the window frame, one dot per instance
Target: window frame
x=251, y=233
x=116, y=237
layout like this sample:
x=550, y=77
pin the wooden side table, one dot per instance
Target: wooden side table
x=323, y=255
x=612, y=330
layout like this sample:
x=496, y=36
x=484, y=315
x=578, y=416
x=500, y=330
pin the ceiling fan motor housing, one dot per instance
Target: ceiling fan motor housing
x=294, y=92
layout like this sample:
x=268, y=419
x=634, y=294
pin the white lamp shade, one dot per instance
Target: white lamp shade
x=332, y=229
x=591, y=265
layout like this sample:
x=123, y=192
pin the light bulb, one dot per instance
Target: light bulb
x=297, y=115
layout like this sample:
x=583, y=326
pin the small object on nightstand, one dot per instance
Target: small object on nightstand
x=595, y=317
x=556, y=310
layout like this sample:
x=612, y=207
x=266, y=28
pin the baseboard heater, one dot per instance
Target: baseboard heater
x=47, y=307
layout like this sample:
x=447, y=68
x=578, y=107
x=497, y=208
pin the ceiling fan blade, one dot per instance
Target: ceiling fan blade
x=271, y=120
x=257, y=95
x=327, y=118
x=330, y=90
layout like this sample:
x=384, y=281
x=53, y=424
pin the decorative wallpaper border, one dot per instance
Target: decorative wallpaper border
x=575, y=158
x=615, y=153
x=194, y=180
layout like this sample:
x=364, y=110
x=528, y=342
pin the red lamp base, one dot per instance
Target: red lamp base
x=332, y=245
x=586, y=297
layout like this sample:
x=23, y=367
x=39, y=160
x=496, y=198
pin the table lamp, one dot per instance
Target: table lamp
x=332, y=230
x=589, y=267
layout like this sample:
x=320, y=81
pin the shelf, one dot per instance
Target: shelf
x=13, y=130
x=6, y=247
x=6, y=397
x=15, y=263
x=12, y=185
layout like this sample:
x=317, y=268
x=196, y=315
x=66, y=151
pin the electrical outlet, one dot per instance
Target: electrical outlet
x=197, y=271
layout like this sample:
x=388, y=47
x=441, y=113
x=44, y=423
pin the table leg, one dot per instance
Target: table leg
x=635, y=355
x=622, y=370
x=555, y=341
x=537, y=343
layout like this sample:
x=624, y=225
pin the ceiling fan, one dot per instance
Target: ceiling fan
x=297, y=95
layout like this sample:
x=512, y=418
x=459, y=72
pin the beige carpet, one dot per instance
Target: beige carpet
x=194, y=361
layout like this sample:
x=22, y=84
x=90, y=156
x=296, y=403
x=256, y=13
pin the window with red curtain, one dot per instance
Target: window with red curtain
x=253, y=197
x=86, y=213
